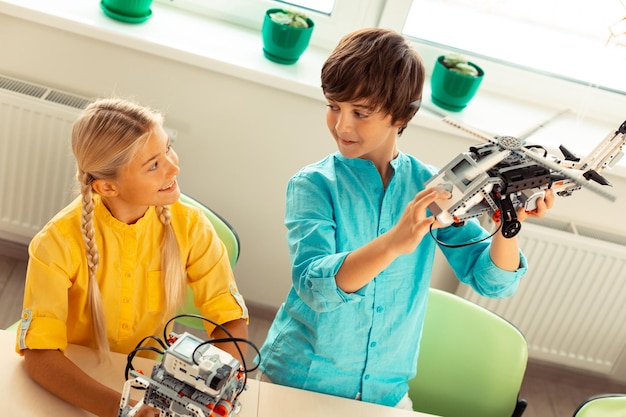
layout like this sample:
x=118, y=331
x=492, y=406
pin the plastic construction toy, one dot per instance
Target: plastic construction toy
x=194, y=378
x=504, y=174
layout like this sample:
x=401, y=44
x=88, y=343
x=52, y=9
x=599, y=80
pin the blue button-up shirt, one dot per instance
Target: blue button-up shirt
x=326, y=340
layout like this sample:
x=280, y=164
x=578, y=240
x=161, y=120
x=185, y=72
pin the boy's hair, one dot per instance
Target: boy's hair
x=380, y=66
x=106, y=137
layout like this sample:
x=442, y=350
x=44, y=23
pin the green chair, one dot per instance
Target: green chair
x=228, y=235
x=471, y=363
x=13, y=327
x=604, y=405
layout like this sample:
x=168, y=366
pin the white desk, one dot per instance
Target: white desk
x=279, y=401
x=20, y=396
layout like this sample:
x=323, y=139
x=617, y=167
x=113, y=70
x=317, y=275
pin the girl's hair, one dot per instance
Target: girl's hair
x=105, y=138
x=379, y=66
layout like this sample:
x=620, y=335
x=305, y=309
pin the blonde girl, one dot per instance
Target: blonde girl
x=111, y=267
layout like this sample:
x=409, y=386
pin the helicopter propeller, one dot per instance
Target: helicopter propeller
x=516, y=145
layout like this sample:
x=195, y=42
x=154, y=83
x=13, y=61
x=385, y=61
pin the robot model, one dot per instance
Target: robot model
x=504, y=174
x=194, y=379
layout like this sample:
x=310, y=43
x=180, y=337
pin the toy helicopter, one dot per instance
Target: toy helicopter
x=504, y=174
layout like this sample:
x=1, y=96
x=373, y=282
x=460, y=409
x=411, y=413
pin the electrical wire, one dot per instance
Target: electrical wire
x=230, y=338
x=165, y=343
x=461, y=245
x=139, y=348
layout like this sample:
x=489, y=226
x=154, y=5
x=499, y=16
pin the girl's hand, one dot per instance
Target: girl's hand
x=144, y=410
x=147, y=411
x=415, y=223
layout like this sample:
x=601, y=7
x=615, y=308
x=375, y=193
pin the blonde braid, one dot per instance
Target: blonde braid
x=105, y=138
x=171, y=264
x=93, y=259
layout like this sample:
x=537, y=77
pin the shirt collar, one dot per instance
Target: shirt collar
x=103, y=213
x=358, y=162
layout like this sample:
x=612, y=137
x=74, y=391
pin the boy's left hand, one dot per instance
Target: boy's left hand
x=543, y=205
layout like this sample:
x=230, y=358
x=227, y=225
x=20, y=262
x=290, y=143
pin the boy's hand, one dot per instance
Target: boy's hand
x=415, y=223
x=543, y=205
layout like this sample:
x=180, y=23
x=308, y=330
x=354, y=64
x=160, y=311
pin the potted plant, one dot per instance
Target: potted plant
x=129, y=11
x=454, y=81
x=286, y=34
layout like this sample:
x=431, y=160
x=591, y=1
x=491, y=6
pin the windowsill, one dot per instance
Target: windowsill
x=237, y=51
x=205, y=43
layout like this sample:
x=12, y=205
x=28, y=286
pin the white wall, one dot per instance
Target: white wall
x=238, y=141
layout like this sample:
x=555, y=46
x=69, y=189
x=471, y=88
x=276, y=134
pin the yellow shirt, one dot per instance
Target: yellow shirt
x=56, y=310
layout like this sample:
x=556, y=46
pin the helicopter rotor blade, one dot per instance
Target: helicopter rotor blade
x=543, y=124
x=557, y=168
x=469, y=130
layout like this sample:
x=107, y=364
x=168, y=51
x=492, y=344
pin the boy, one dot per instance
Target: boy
x=358, y=233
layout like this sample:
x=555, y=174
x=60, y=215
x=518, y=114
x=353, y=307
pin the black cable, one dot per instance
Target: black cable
x=461, y=245
x=243, y=360
x=230, y=338
x=199, y=317
x=545, y=151
x=165, y=343
x=196, y=316
x=139, y=347
x=233, y=340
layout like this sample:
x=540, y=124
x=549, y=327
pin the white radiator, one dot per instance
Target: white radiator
x=37, y=169
x=571, y=305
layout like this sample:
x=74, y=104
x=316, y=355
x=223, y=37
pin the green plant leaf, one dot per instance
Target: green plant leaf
x=291, y=18
x=460, y=64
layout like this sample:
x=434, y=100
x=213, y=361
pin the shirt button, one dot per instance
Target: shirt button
x=367, y=377
x=125, y=326
x=379, y=309
x=126, y=300
x=373, y=344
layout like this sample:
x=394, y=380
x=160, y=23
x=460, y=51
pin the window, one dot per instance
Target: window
x=570, y=39
x=558, y=53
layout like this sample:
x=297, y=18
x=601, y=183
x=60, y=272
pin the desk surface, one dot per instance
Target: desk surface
x=21, y=396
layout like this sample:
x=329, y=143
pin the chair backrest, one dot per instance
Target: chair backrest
x=604, y=405
x=471, y=363
x=225, y=230
x=228, y=235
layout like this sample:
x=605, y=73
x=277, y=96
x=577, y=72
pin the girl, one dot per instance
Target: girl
x=111, y=267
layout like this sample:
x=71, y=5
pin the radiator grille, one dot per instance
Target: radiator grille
x=25, y=88
x=37, y=168
x=571, y=303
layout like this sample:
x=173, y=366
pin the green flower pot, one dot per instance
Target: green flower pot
x=452, y=90
x=282, y=43
x=129, y=11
